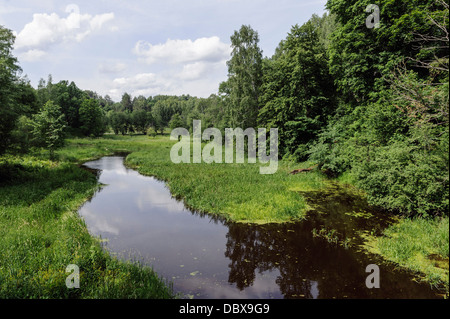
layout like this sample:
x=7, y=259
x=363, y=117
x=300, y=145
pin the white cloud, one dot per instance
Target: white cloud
x=32, y=55
x=112, y=67
x=193, y=71
x=178, y=67
x=140, y=84
x=46, y=30
x=139, y=81
x=183, y=51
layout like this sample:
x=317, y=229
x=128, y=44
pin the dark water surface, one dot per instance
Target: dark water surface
x=206, y=257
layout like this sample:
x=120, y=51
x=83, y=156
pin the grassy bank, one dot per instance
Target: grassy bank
x=41, y=234
x=420, y=245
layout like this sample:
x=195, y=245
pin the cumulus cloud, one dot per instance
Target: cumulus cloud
x=193, y=71
x=183, y=51
x=139, y=84
x=46, y=30
x=189, y=66
x=33, y=55
x=112, y=67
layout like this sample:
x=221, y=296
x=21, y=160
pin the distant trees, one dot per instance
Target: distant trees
x=126, y=102
x=142, y=120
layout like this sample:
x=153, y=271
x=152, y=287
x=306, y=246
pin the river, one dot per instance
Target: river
x=206, y=257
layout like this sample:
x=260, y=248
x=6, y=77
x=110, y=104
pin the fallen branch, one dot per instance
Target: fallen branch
x=302, y=170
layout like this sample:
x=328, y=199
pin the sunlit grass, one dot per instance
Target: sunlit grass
x=419, y=244
x=41, y=234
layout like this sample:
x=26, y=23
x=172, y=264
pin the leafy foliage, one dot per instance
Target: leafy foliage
x=91, y=118
x=48, y=127
x=9, y=109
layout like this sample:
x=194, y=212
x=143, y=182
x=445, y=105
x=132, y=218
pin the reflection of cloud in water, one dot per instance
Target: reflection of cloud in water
x=97, y=223
x=156, y=196
x=260, y=289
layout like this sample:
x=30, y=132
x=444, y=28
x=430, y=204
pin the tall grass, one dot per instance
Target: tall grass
x=41, y=234
x=419, y=244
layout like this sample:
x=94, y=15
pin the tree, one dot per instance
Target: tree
x=391, y=133
x=67, y=95
x=92, y=118
x=140, y=103
x=9, y=110
x=118, y=122
x=141, y=120
x=360, y=57
x=298, y=91
x=244, y=78
x=162, y=113
x=127, y=104
x=48, y=127
x=176, y=122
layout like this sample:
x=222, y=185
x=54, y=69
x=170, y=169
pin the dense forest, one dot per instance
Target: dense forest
x=369, y=105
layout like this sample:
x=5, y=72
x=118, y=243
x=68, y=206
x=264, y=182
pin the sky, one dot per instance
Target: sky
x=141, y=47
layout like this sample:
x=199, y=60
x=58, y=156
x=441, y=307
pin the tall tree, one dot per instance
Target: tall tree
x=360, y=57
x=48, y=127
x=9, y=110
x=299, y=94
x=244, y=78
x=127, y=104
x=92, y=118
x=142, y=120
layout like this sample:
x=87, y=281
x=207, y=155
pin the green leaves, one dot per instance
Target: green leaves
x=244, y=78
x=299, y=94
x=48, y=127
x=91, y=118
x=9, y=110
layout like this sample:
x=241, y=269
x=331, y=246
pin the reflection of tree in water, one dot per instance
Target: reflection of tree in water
x=308, y=267
x=263, y=248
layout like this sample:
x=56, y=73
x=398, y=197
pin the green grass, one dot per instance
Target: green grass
x=41, y=234
x=421, y=245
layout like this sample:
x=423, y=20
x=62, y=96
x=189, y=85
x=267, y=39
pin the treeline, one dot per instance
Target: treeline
x=369, y=105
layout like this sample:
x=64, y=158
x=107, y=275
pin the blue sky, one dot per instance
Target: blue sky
x=143, y=47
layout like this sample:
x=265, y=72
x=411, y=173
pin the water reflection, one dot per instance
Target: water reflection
x=206, y=257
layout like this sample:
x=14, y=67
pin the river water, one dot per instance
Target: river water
x=206, y=257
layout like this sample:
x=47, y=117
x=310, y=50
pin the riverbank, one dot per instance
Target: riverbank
x=41, y=234
x=235, y=192
x=420, y=245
